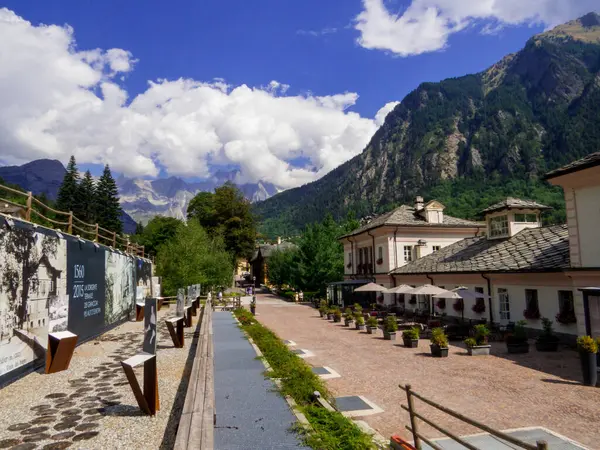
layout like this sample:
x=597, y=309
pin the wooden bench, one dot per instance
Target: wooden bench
x=60, y=350
x=148, y=398
x=187, y=313
x=175, y=327
x=194, y=307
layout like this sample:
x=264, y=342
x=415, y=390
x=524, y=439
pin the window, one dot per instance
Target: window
x=380, y=253
x=479, y=290
x=499, y=226
x=504, y=301
x=423, y=303
x=436, y=248
x=408, y=253
x=532, y=309
x=526, y=218
x=565, y=302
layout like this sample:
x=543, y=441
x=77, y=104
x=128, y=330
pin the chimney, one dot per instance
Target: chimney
x=419, y=203
x=278, y=240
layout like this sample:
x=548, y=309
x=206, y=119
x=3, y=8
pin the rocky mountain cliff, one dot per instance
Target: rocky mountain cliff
x=144, y=199
x=467, y=139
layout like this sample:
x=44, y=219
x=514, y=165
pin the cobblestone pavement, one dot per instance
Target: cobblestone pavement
x=91, y=405
x=500, y=390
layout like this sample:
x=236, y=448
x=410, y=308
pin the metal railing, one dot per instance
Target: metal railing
x=418, y=437
x=70, y=224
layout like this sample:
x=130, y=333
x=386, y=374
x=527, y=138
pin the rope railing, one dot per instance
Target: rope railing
x=111, y=238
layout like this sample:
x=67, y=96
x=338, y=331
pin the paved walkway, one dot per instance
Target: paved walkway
x=250, y=413
x=501, y=390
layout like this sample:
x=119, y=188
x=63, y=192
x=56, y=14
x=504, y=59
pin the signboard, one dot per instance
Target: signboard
x=86, y=288
x=180, y=302
x=150, y=326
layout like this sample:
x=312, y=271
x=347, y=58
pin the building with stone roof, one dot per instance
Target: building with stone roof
x=528, y=270
x=260, y=260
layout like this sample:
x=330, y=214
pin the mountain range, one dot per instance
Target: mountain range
x=140, y=199
x=470, y=140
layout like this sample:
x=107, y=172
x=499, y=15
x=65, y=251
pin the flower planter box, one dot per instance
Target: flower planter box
x=337, y=319
x=360, y=327
x=546, y=346
x=321, y=313
x=411, y=343
x=438, y=352
x=518, y=348
x=389, y=336
x=479, y=350
x=348, y=323
x=371, y=330
x=589, y=368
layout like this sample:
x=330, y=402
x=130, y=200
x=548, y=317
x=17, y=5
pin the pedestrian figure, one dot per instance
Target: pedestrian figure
x=296, y=297
x=301, y=296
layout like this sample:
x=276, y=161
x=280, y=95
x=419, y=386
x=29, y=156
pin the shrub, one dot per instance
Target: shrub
x=358, y=308
x=587, y=344
x=438, y=337
x=391, y=326
x=412, y=333
x=360, y=320
x=481, y=332
x=470, y=342
x=372, y=322
x=459, y=305
x=547, y=333
x=479, y=306
x=519, y=335
x=337, y=314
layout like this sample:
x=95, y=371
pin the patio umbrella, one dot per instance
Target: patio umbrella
x=402, y=289
x=428, y=289
x=371, y=287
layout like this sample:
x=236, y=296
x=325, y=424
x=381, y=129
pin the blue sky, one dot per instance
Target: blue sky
x=328, y=64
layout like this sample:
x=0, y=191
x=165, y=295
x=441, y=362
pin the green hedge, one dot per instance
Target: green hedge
x=332, y=431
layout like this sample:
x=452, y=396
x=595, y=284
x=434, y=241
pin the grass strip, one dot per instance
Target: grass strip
x=332, y=431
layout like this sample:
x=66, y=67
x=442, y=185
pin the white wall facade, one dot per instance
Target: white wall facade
x=587, y=202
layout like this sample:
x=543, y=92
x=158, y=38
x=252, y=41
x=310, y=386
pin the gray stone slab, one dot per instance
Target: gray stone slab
x=250, y=412
x=488, y=442
x=299, y=351
x=320, y=371
x=351, y=403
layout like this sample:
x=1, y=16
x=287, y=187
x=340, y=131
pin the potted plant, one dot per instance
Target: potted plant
x=588, y=348
x=253, y=306
x=390, y=328
x=372, y=325
x=479, y=306
x=547, y=341
x=330, y=312
x=517, y=341
x=566, y=317
x=478, y=344
x=323, y=308
x=379, y=261
x=337, y=315
x=411, y=337
x=441, y=303
x=439, y=343
x=360, y=323
x=531, y=314
x=459, y=305
x=348, y=317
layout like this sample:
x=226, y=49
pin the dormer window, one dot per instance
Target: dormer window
x=526, y=218
x=499, y=226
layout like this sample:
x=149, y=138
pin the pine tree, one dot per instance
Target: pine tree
x=108, y=208
x=68, y=198
x=87, y=192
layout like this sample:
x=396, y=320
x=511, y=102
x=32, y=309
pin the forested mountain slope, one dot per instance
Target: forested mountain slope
x=469, y=141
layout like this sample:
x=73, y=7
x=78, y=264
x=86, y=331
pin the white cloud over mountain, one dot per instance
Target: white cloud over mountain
x=425, y=25
x=58, y=100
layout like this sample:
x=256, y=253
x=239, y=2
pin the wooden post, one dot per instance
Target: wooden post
x=97, y=238
x=28, y=210
x=542, y=445
x=70, y=226
x=413, y=419
x=114, y=239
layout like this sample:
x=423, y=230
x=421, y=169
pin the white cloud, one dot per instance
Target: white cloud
x=58, y=100
x=425, y=25
x=383, y=112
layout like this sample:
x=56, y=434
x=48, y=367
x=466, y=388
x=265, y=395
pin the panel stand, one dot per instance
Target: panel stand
x=139, y=312
x=60, y=351
x=148, y=399
x=175, y=327
x=159, y=303
x=188, y=316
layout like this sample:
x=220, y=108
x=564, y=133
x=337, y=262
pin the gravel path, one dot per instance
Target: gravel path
x=91, y=404
x=535, y=389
